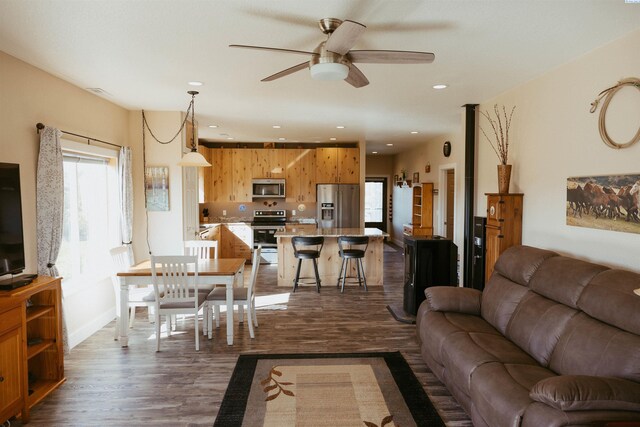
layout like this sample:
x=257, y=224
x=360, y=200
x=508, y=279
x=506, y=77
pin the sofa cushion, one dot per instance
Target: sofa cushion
x=457, y=300
x=500, y=392
x=616, y=288
x=499, y=300
x=463, y=353
x=580, y=392
x=536, y=325
x=563, y=279
x=519, y=263
x=439, y=326
x=590, y=347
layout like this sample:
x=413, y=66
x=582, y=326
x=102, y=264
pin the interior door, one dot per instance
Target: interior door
x=375, y=203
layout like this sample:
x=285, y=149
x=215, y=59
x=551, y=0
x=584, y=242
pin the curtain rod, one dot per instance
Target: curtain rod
x=40, y=126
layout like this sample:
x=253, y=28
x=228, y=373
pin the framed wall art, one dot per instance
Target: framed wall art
x=605, y=202
x=156, y=180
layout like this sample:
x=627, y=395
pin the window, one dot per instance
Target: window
x=373, y=201
x=90, y=218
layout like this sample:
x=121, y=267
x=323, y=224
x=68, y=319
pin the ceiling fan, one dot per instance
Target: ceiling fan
x=333, y=59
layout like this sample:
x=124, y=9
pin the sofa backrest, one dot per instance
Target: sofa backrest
x=509, y=283
x=575, y=317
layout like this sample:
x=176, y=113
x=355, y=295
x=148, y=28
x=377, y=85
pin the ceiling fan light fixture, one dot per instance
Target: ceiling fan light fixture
x=329, y=71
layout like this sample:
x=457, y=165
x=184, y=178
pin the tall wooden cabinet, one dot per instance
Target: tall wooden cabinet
x=504, y=226
x=422, y=209
x=31, y=362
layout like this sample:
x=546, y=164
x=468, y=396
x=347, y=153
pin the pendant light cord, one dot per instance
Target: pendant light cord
x=145, y=125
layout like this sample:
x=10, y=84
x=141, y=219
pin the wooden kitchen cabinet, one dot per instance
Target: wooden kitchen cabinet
x=205, y=178
x=32, y=363
x=229, y=177
x=504, y=226
x=336, y=165
x=236, y=241
x=268, y=163
x=301, y=175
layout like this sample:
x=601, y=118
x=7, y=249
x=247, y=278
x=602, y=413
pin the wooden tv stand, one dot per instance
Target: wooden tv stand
x=32, y=363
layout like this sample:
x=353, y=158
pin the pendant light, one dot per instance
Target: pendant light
x=193, y=158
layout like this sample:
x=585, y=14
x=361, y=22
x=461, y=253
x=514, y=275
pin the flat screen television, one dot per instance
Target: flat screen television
x=11, y=239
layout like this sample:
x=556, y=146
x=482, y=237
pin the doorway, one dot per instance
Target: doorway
x=447, y=201
x=375, y=203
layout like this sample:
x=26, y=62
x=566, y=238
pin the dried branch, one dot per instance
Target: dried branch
x=500, y=126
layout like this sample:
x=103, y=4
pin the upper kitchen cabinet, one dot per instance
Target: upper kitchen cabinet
x=335, y=165
x=300, y=175
x=268, y=163
x=229, y=177
x=205, y=181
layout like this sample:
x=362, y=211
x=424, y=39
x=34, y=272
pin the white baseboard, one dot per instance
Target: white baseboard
x=90, y=328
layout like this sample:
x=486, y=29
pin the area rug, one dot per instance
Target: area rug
x=315, y=390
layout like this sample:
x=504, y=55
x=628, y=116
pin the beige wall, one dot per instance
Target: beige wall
x=165, y=228
x=29, y=95
x=415, y=161
x=555, y=137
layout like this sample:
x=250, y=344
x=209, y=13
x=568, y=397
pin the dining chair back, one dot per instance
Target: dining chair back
x=203, y=249
x=243, y=297
x=138, y=297
x=176, y=290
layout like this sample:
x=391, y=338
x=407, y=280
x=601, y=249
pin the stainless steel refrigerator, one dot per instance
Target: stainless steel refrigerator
x=338, y=205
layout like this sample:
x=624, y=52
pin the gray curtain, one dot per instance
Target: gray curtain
x=49, y=210
x=49, y=201
x=126, y=197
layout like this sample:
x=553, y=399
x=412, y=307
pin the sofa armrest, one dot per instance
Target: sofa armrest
x=582, y=392
x=449, y=298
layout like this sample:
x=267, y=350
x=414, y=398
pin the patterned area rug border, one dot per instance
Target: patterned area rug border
x=233, y=406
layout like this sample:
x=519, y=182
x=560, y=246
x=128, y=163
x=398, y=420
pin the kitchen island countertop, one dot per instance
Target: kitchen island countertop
x=331, y=232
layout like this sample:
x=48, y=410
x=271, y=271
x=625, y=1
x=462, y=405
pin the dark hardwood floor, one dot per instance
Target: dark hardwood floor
x=110, y=385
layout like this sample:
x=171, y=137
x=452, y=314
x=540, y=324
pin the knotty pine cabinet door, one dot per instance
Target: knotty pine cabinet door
x=11, y=379
x=335, y=165
x=504, y=226
x=301, y=175
x=242, y=190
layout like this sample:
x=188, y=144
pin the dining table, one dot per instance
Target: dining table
x=220, y=271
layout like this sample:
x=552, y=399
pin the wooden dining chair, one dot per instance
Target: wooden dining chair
x=138, y=296
x=175, y=291
x=242, y=297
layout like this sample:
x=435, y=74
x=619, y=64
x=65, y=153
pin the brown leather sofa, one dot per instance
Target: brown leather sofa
x=552, y=341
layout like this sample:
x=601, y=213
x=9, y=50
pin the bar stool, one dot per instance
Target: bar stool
x=307, y=247
x=357, y=248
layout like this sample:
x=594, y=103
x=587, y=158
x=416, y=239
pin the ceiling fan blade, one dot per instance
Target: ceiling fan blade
x=286, y=72
x=355, y=77
x=344, y=37
x=390, y=57
x=276, y=49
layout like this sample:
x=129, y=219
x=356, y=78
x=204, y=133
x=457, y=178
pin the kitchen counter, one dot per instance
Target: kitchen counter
x=331, y=232
x=330, y=261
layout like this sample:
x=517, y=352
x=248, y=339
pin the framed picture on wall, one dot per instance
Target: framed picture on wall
x=156, y=179
x=416, y=177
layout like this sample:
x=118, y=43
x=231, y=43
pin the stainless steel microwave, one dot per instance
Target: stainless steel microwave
x=268, y=189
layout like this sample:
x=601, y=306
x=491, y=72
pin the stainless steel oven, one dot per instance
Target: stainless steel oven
x=265, y=224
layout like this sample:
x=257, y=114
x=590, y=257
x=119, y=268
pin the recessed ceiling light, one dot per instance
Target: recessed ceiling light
x=282, y=139
x=440, y=86
x=332, y=139
x=389, y=145
x=195, y=83
x=213, y=126
x=339, y=127
x=413, y=132
x=374, y=152
x=229, y=137
x=276, y=126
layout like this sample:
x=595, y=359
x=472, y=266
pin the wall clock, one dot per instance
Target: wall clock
x=446, y=149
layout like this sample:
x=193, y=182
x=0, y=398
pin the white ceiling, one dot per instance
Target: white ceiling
x=143, y=53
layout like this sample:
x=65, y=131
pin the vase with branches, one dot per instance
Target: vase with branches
x=500, y=123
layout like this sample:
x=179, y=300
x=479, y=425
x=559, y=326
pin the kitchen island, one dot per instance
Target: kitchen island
x=329, y=261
